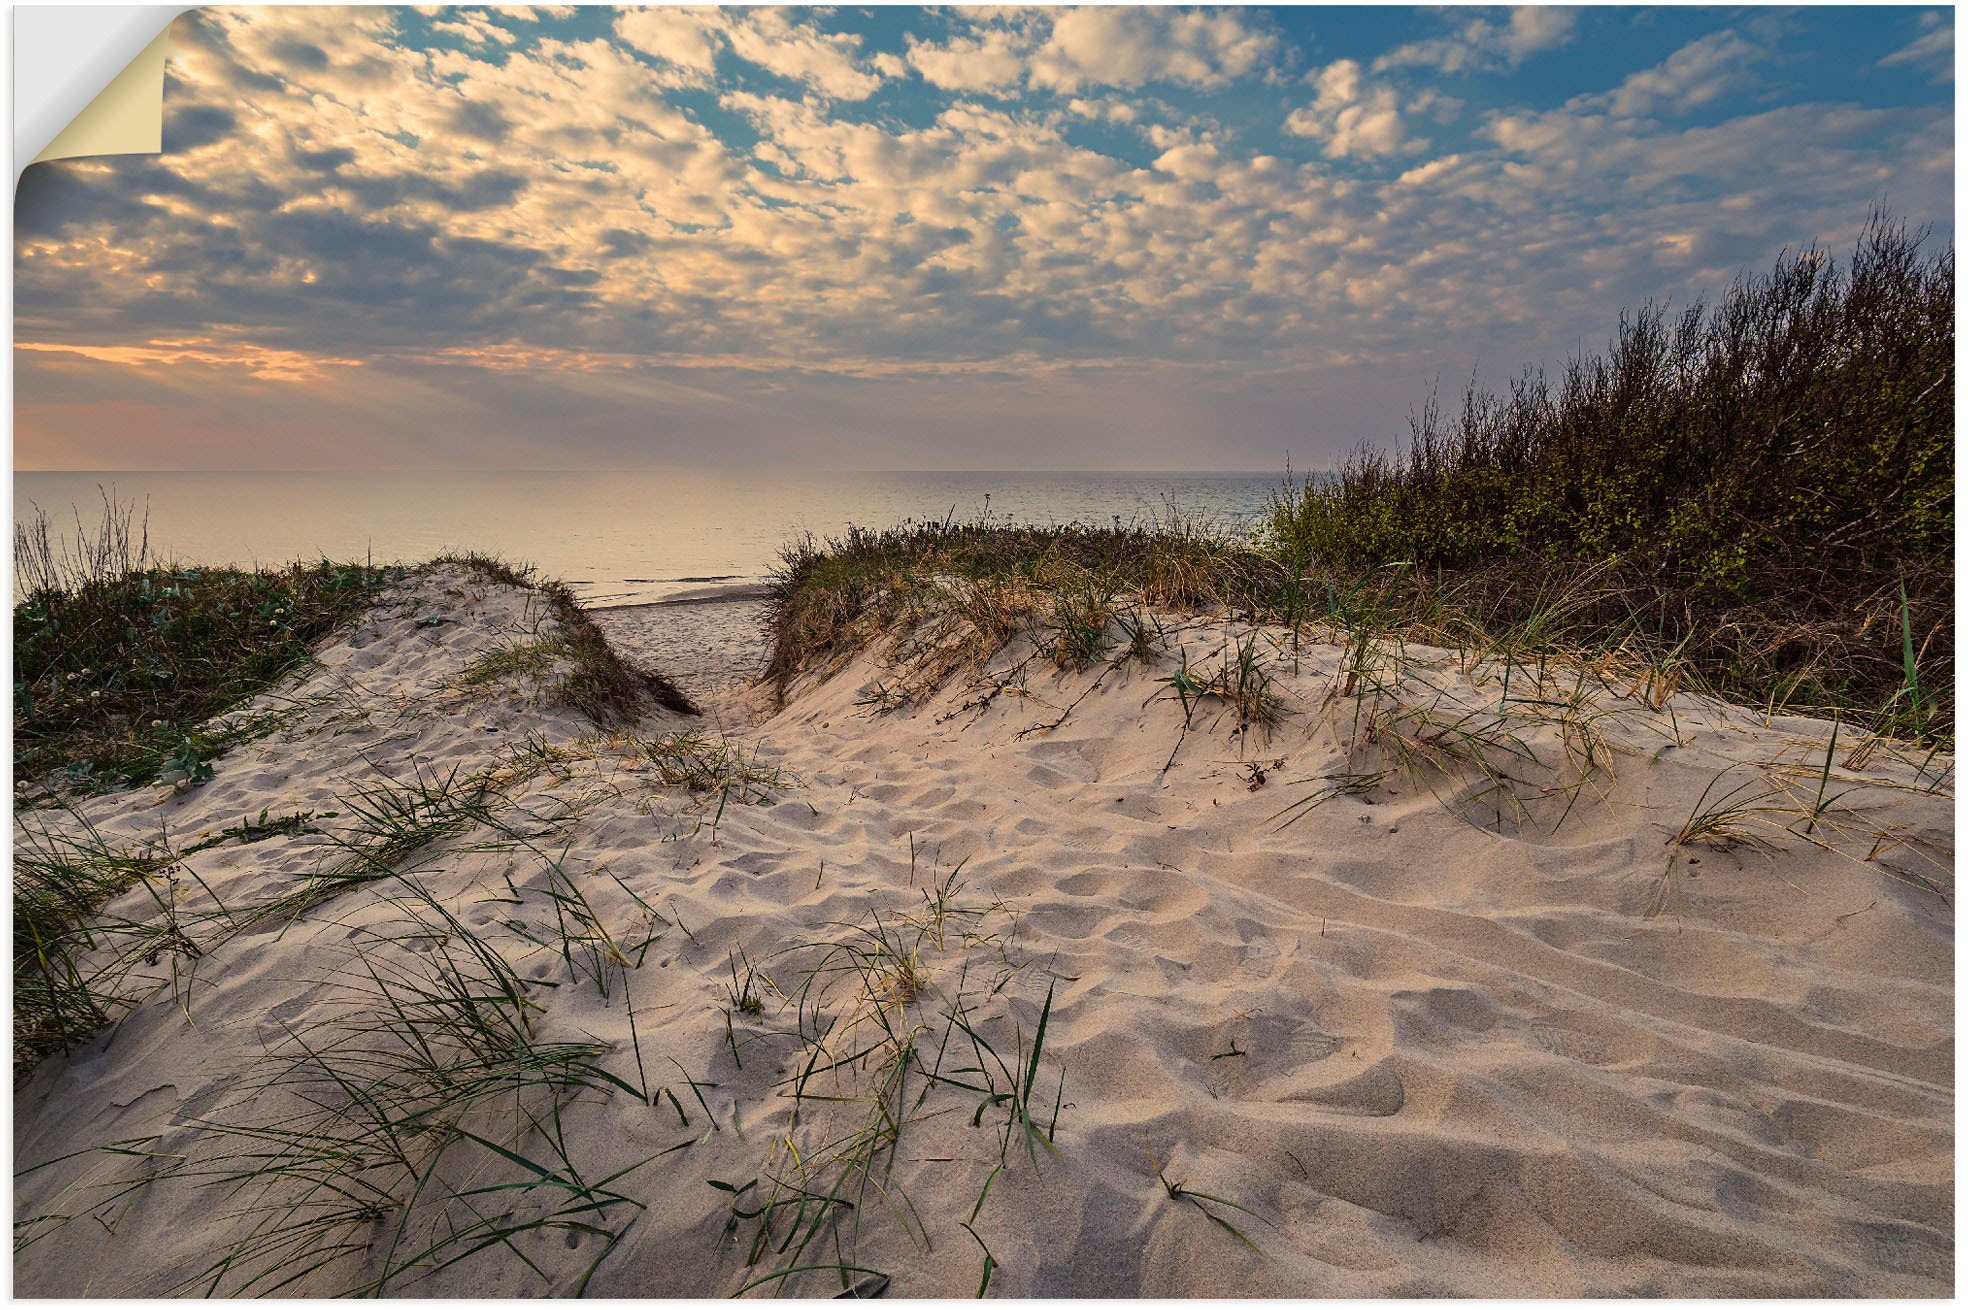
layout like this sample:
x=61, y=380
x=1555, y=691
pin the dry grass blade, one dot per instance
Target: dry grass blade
x=1737, y=817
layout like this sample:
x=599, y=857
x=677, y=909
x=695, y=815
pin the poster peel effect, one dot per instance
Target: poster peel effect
x=64, y=107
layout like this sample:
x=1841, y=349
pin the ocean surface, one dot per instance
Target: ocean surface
x=616, y=537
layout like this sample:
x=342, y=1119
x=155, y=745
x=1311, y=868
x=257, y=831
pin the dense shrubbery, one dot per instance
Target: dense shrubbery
x=1765, y=485
x=1805, y=420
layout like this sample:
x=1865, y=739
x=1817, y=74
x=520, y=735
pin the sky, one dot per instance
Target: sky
x=898, y=238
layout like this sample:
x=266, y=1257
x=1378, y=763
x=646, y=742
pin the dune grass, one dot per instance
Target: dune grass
x=416, y=1124
x=68, y=959
x=957, y=592
x=416, y=1118
x=122, y=660
x=414, y=1114
x=897, y=1019
x=132, y=671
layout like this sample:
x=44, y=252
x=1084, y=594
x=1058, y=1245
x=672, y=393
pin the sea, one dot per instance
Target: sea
x=617, y=538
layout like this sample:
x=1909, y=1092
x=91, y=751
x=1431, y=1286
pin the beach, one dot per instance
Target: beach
x=709, y=640
x=1378, y=973
x=1032, y=652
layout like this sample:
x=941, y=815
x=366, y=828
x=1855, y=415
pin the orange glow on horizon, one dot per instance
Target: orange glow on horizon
x=267, y=363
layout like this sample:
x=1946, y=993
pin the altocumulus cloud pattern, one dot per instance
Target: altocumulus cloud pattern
x=1080, y=237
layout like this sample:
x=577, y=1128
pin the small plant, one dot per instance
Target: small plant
x=700, y=764
x=1911, y=710
x=1186, y=686
x=744, y=993
x=941, y=904
x=264, y=828
x=1335, y=786
x=517, y=662
x=1141, y=633
x=584, y=942
x=1246, y=685
x=1204, y=1200
x=1823, y=801
x=1081, y=619
x=903, y=980
x=880, y=698
x=185, y=769
x=1727, y=822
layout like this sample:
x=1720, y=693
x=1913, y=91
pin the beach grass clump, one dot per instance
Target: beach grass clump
x=1244, y=683
x=700, y=763
x=831, y=599
x=121, y=660
x=59, y=997
x=82, y=956
x=1764, y=486
x=386, y=821
x=1728, y=819
x=1081, y=625
x=516, y=663
x=896, y=1018
x=342, y=1153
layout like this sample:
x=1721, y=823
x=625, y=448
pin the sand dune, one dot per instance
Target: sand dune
x=1445, y=1034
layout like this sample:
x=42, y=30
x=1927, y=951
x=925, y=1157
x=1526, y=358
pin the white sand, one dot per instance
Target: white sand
x=704, y=646
x=1428, y=1058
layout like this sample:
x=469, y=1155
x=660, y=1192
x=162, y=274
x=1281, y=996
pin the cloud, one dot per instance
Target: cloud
x=1932, y=50
x=476, y=28
x=825, y=62
x=257, y=361
x=1072, y=49
x=683, y=36
x=1481, y=45
x=1115, y=46
x=719, y=200
x=995, y=58
x=690, y=39
x=1699, y=72
x=535, y=13
x=1350, y=116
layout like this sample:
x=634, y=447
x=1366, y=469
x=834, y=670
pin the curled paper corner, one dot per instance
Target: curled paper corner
x=126, y=117
x=58, y=64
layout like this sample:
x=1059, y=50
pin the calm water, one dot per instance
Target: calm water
x=616, y=536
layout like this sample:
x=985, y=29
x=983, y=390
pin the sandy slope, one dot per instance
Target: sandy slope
x=1427, y=1056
